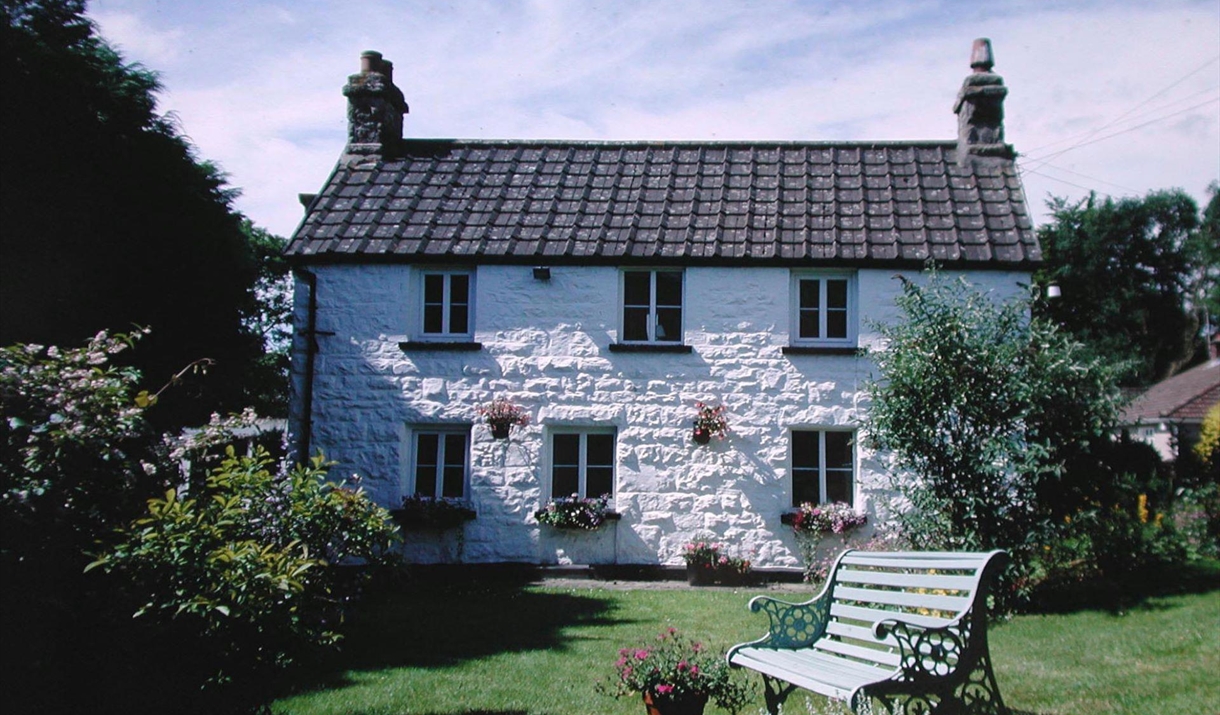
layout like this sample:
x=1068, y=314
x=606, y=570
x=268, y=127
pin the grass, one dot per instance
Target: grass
x=510, y=649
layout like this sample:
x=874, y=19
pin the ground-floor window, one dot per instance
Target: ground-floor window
x=582, y=463
x=823, y=466
x=439, y=463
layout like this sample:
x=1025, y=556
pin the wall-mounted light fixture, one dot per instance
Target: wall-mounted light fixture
x=542, y=273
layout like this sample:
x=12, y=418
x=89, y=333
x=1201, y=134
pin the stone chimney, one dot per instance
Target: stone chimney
x=980, y=109
x=374, y=107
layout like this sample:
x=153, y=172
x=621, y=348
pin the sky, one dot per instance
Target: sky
x=1110, y=96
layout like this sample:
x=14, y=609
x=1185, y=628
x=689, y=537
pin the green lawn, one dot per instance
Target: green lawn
x=505, y=649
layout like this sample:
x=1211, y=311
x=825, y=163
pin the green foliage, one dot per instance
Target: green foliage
x=110, y=220
x=988, y=409
x=1128, y=270
x=240, y=566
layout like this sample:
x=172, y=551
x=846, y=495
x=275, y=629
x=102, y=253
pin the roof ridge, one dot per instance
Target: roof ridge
x=855, y=143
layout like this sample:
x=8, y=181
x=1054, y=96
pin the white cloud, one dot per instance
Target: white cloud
x=257, y=85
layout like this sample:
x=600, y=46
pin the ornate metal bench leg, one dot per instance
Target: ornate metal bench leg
x=775, y=692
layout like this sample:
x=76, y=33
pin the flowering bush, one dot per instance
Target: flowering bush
x=710, y=422
x=717, y=565
x=574, y=512
x=837, y=517
x=673, y=668
x=502, y=414
x=432, y=513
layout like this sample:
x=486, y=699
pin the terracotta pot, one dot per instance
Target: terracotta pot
x=500, y=431
x=683, y=705
x=698, y=576
x=701, y=436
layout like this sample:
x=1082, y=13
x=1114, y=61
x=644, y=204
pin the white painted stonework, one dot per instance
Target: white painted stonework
x=545, y=347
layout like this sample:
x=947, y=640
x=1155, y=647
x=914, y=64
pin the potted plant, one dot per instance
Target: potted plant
x=575, y=513
x=501, y=415
x=822, y=519
x=709, y=422
x=677, y=676
x=440, y=513
x=706, y=563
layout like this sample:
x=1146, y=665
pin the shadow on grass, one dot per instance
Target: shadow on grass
x=441, y=622
x=1133, y=591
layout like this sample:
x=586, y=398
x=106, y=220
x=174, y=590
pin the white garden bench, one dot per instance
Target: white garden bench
x=907, y=628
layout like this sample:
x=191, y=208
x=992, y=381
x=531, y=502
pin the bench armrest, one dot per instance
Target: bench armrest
x=932, y=653
x=793, y=625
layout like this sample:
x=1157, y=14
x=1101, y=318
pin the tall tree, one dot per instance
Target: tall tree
x=1126, y=269
x=109, y=219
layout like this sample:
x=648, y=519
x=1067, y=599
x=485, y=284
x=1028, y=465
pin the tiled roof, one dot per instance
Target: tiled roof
x=684, y=202
x=1185, y=397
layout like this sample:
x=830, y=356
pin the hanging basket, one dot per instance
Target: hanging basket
x=500, y=431
x=701, y=436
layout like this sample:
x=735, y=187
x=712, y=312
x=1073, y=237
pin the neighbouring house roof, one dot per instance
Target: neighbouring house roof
x=1183, y=398
x=840, y=203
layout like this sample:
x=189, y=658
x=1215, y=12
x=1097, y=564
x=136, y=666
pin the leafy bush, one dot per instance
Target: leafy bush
x=241, y=565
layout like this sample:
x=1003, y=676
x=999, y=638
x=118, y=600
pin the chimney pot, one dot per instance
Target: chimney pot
x=370, y=61
x=981, y=59
x=375, y=107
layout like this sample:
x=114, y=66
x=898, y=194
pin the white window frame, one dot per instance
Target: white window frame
x=446, y=333
x=412, y=438
x=822, y=468
x=652, y=307
x=582, y=467
x=853, y=319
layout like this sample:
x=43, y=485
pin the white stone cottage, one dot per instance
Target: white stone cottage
x=606, y=287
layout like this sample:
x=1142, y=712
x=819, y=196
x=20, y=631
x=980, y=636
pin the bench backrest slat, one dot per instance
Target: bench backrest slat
x=842, y=611
x=931, y=581
x=914, y=560
x=950, y=604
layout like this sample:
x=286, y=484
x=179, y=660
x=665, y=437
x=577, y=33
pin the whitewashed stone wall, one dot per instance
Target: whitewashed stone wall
x=546, y=348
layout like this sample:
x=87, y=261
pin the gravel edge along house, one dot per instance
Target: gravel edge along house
x=607, y=287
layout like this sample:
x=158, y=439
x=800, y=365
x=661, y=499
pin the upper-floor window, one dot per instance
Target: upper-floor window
x=824, y=310
x=447, y=304
x=823, y=466
x=439, y=462
x=652, y=306
x=582, y=463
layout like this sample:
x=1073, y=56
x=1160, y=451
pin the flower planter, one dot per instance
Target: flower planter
x=500, y=431
x=701, y=436
x=692, y=704
x=700, y=576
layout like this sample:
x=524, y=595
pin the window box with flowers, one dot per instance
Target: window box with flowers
x=706, y=564
x=576, y=513
x=813, y=523
x=709, y=422
x=501, y=415
x=438, y=513
x=677, y=676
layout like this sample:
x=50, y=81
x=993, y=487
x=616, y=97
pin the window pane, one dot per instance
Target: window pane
x=566, y=450
x=458, y=319
x=565, y=481
x=838, y=450
x=838, y=486
x=836, y=294
x=836, y=324
x=669, y=288
x=669, y=324
x=455, y=450
x=805, y=450
x=433, y=315
x=434, y=289
x=426, y=446
x=804, y=486
x=600, y=451
x=455, y=479
x=459, y=289
x=599, y=481
x=636, y=288
x=810, y=298
x=809, y=324
x=635, y=323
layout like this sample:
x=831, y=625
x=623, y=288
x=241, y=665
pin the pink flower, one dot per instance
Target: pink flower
x=664, y=689
x=681, y=665
x=694, y=670
x=641, y=654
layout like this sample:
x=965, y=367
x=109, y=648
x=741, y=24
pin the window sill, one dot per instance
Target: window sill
x=450, y=346
x=819, y=350
x=649, y=348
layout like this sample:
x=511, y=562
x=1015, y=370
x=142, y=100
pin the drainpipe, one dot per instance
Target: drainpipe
x=304, y=442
